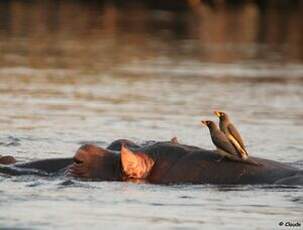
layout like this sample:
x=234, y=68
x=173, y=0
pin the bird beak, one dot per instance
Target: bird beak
x=204, y=123
x=217, y=113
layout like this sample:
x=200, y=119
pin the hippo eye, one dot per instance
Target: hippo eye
x=77, y=161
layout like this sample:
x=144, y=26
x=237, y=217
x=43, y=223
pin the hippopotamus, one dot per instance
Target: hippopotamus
x=160, y=163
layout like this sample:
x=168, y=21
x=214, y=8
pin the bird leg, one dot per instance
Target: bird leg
x=220, y=159
x=232, y=157
x=252, y=162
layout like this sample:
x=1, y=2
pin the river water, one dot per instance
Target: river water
x=74, y=73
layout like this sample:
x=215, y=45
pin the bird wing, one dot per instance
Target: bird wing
x=234, y=132
x=221, y=141
x=242, y=152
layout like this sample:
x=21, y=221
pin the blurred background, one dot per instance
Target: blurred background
x=114, y=35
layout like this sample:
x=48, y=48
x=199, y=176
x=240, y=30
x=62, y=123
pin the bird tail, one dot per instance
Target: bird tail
x=243, y=154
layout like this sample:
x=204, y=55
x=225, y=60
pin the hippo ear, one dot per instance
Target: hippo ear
x=135, y=165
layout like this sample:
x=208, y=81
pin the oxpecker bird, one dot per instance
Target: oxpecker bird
x=224, y=147
x=231, y=132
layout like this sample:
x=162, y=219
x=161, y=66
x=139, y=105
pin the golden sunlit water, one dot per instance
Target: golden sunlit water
x=72, y=73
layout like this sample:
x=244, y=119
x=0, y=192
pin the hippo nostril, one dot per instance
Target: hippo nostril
x=77, y=161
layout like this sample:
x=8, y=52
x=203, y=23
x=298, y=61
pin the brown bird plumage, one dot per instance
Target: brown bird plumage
x=231, y=132
x=224, y=147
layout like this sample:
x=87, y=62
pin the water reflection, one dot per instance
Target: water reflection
x=95, y=36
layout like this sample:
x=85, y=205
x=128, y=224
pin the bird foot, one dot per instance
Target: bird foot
x=245, y=161
x=252, y=162
x=220, y=159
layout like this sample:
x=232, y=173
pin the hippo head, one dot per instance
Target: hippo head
x=95, y=163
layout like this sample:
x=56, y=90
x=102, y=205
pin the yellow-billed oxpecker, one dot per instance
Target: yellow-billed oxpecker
x=231, y=132
x=224, y=146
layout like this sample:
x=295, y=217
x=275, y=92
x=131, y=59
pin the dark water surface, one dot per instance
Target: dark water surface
x=72, y=73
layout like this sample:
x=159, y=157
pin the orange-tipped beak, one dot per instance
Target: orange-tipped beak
x=217, y=113
x=204, y=123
